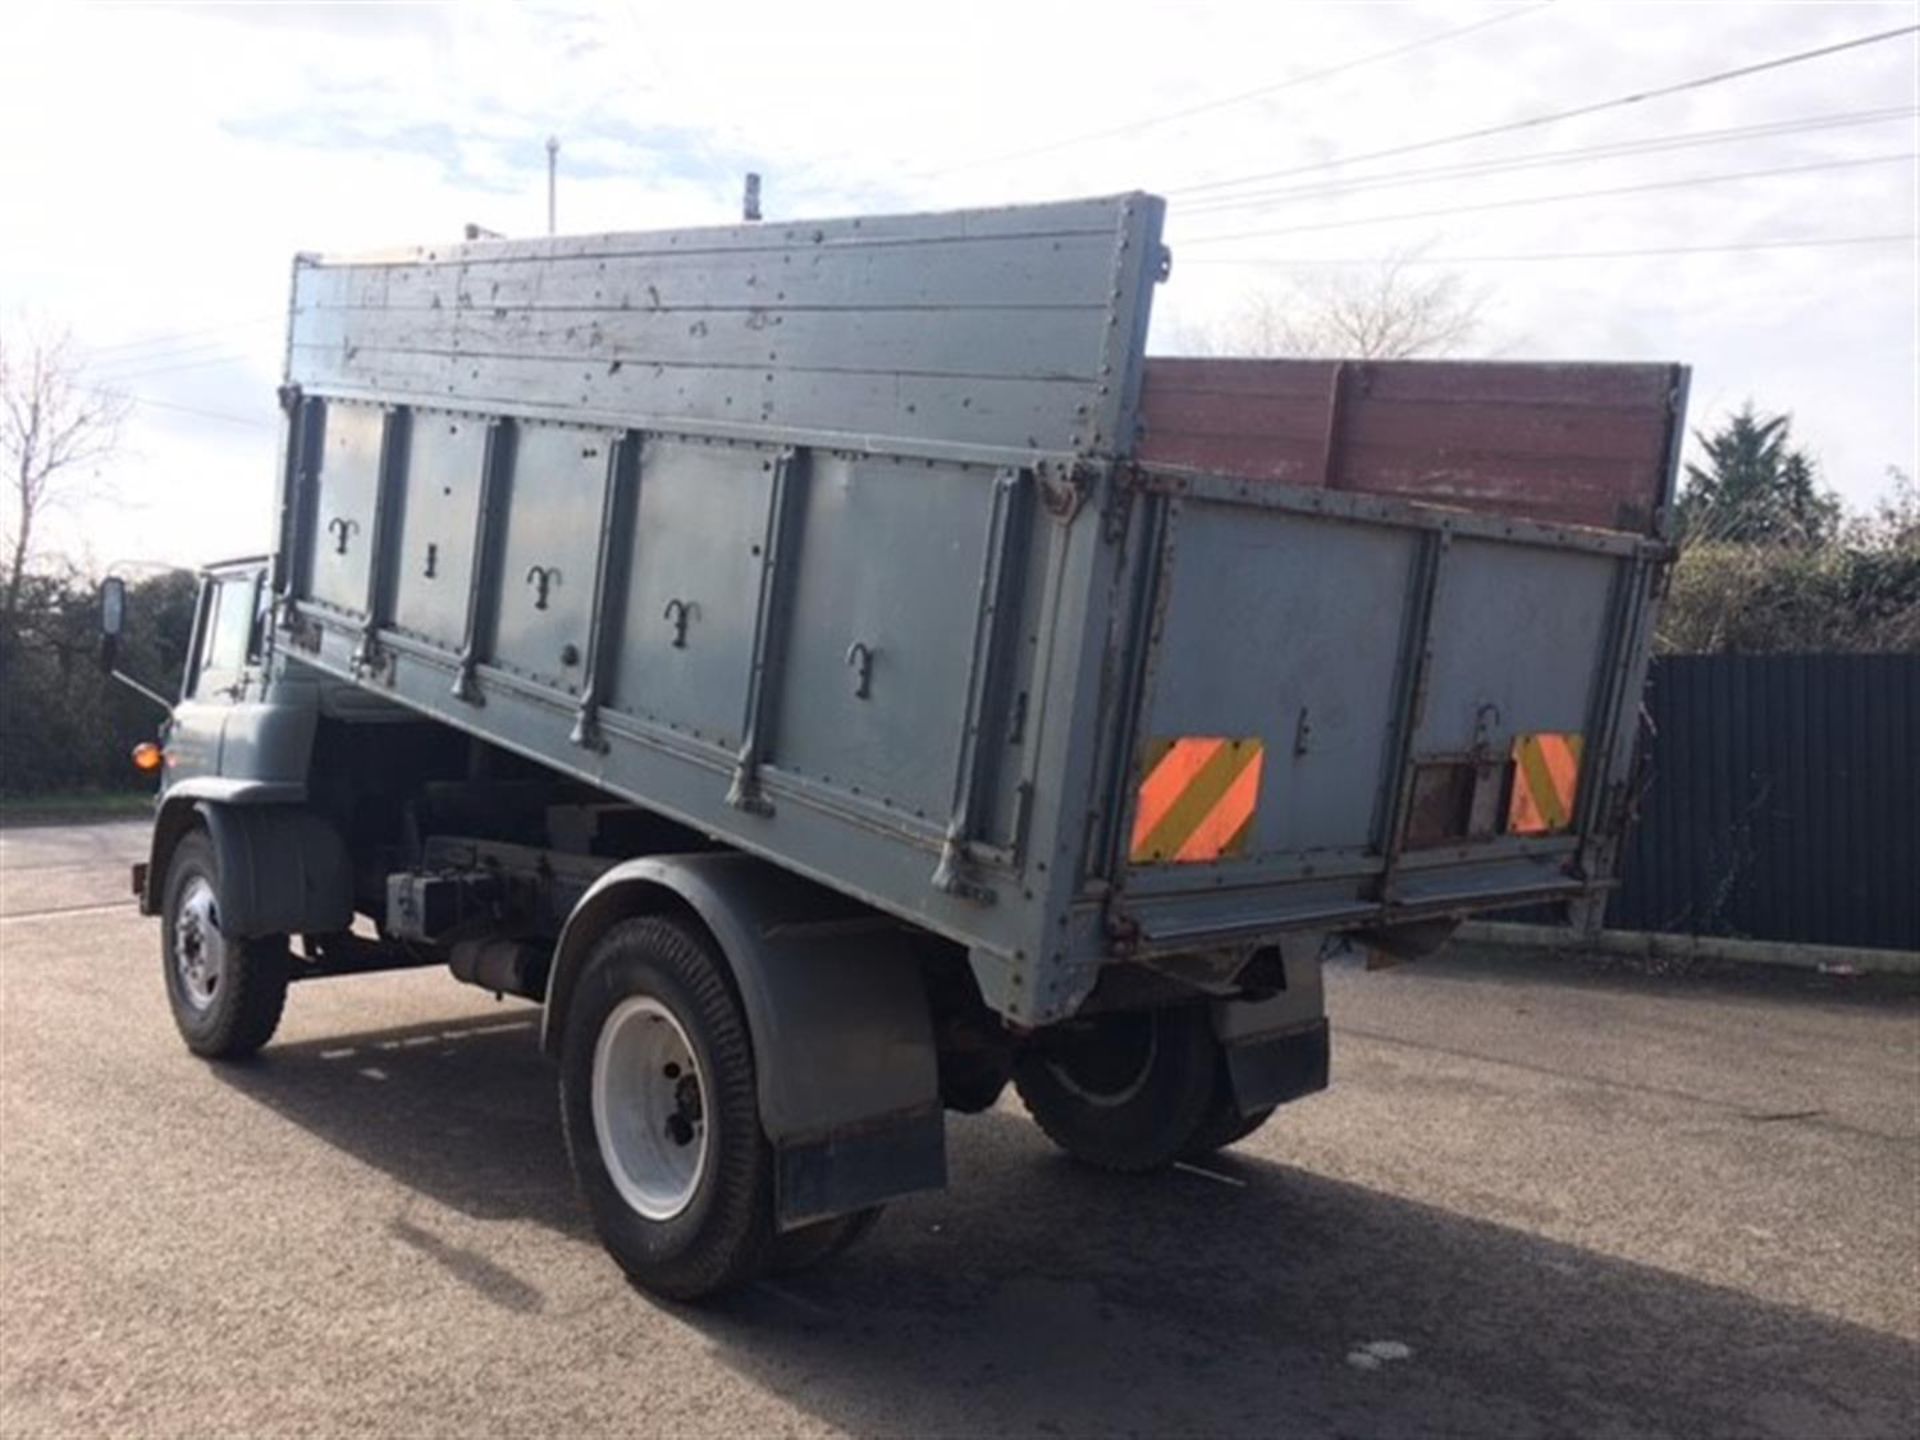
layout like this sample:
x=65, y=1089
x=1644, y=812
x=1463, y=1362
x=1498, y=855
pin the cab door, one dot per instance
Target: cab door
x=223, y=664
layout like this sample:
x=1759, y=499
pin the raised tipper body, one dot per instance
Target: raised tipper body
x=977, y=694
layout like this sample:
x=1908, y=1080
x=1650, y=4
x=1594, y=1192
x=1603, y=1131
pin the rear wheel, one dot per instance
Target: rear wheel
x=1125, y=1091
x=821, y=1241
x=227, y=994
x=661, y=1114
x=1223, y=1124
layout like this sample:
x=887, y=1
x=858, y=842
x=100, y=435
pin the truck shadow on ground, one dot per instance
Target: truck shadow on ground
x=1036, y=1296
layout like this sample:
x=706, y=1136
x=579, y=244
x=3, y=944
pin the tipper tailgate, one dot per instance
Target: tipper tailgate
x=1346, y=701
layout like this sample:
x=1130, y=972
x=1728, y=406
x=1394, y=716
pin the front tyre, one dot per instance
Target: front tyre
x=1124, y=1091
x=227, y=994
x=661, y=1113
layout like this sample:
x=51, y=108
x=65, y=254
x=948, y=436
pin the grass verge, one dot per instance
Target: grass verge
x=75, y=807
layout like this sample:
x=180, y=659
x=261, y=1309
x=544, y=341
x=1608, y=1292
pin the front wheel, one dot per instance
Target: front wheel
x=661, y=1113
x=227, y=994
x=1125, y=1091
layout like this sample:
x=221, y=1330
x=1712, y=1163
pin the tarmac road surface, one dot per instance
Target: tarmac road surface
x=1540, y=1200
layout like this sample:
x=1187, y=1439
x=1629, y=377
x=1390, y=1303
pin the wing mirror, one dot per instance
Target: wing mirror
x=113, y=619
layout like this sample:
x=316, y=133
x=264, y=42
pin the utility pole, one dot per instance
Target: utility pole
x=553, y=165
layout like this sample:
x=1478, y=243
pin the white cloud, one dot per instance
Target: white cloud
x=163, y=165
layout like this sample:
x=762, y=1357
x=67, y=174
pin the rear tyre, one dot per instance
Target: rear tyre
x=821, y=1241
x=226, y=994
x=1125, y=1091
x=1223, y=1124
x=661, y=1114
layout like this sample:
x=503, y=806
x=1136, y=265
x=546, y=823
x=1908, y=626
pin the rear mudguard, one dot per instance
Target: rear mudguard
x=1277, y=1049
x=836, y=1008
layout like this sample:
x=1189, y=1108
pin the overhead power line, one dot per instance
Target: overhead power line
x=1816, y=242
x=184, y=409
x=1291, y=82
x=167, y=338
x=1534, y=122
x=126, y=364
x=1551, y=159
x=1682, y=184
x=124, y=377
x=208, y=414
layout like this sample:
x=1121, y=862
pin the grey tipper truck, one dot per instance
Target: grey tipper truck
x=835, y=672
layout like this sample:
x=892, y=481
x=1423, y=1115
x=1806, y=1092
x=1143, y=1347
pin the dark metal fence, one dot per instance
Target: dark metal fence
x=1783, y=802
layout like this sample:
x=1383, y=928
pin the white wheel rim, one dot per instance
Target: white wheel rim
x=1111, y=1099
x=199, y=949
x=650, y=1108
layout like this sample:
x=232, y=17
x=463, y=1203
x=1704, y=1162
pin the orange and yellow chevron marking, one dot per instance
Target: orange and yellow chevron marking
x=1546, y=775
x=1197, y=799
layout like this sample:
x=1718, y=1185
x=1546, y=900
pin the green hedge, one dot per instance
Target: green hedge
x=64, y=725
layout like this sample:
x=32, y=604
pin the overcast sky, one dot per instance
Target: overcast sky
x=162, y=165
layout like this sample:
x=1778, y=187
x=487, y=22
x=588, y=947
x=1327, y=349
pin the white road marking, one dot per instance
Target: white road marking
x=68, y=910
x=1375, y=1353
x=1209, y=1174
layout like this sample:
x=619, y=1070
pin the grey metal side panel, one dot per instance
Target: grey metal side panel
x=194, y=732
x=269, y=741
x=433, y=553
x=548, y=550
x=342, y=533
x=1287, y=632
x=884, y=860
x=1361, y=663
x=884, y=616
x=1520, y=630
x=975, y=328
x=821, y=615
x=687, y=634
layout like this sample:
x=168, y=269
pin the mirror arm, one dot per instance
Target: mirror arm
x=134, y=685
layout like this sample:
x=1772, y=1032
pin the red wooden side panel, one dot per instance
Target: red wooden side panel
x=1576, y=444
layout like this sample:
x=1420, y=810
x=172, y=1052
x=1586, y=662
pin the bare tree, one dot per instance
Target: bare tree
x=1391, y=313
x=54, y=430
